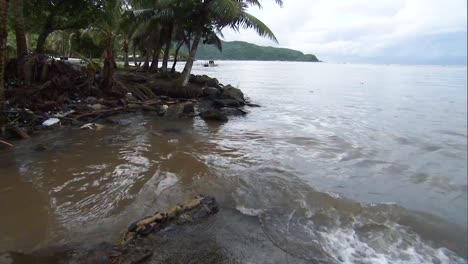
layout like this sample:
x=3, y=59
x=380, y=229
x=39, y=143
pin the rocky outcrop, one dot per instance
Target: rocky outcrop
x=179, y=110
x=204, y=80
x=214, y=115
x=231, y=92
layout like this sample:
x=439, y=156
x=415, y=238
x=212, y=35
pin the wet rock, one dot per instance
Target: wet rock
x=75, y=122
x=40, y=147
x=180, y=110
x=252, y=105
x=211, y=92
x=227, y=103
x=233, y=93
x=214, y=115
x=204, y=80
x=233, y=112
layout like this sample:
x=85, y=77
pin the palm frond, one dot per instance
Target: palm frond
x=248, y=21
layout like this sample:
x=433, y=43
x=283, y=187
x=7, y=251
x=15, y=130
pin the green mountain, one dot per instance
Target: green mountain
x=239, y=50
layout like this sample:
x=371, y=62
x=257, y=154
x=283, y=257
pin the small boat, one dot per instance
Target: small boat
x=210, y=64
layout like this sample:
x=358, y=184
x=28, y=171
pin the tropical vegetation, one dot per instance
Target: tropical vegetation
x=148, y=32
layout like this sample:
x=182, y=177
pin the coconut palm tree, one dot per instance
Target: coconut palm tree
x=3, y=43
x=21, y=45
x=215, y=15
x=104, y=31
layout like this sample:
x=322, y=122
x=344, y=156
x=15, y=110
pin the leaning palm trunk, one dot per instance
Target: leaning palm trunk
x=185, y=76
x=41, y=40
x=134, y=57
x=3, y=42
x=167, y=48
x=176, y=55
x=109, y=66
x=147, y=57
x=155, y=62
x=125, y=50
x=21, y=46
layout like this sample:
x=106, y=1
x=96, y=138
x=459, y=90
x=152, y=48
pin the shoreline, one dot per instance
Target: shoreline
x=155, y=93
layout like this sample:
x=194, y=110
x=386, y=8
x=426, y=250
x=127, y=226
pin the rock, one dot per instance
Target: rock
x=75, y=122
x=252, y=105
x=189, y=108
x=40, y=147
x=180, y=110
x=233, y=93
x=204, y=80
x=227, y=103
x=91, y=100
x=211, y=92
x=214, y=115
x=233, y=112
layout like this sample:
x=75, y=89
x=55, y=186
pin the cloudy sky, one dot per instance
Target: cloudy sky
x=367, y=31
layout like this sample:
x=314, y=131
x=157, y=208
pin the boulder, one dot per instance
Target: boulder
x=211, y=92
x=214, y=115
x=180, y=110
x=231, y=92
x=227, y=103
x=204, y=80
x=233, y=112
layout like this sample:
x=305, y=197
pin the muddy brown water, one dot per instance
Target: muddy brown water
x=350, y=163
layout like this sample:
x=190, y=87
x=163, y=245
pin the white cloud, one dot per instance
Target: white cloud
x=366, y=29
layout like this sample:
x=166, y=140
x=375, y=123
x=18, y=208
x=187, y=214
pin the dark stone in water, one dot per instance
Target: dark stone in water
x=40, y=147
x=227, y=103
x=214, y=115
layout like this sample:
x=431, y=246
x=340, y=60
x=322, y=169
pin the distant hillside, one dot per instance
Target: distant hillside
x=239, y=50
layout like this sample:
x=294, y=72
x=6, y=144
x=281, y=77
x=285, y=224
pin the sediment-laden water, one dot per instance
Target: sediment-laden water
x=342, y=163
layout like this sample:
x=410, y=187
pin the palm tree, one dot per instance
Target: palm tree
x=3, y=43
x=214, y=15
x=104, y=31
x=21, y=46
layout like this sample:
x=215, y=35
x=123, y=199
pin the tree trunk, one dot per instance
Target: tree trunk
x=21, y=45
x=42, y=39
x=176, y=55
x=147, y=56
x=109, y=66
x=167, y=48
x=125, y=50
x=70, y=45
x=185, y=76
x=134, y=56
x=155, y=63
x=3, y=42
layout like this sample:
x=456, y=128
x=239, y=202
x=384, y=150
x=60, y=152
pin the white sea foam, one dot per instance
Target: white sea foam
x=249, y=211
x=396, y=246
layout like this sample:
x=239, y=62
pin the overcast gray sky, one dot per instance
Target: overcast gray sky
x=367, y=31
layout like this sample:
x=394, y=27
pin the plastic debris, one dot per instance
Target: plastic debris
x=92, y=126
x=51, y=121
